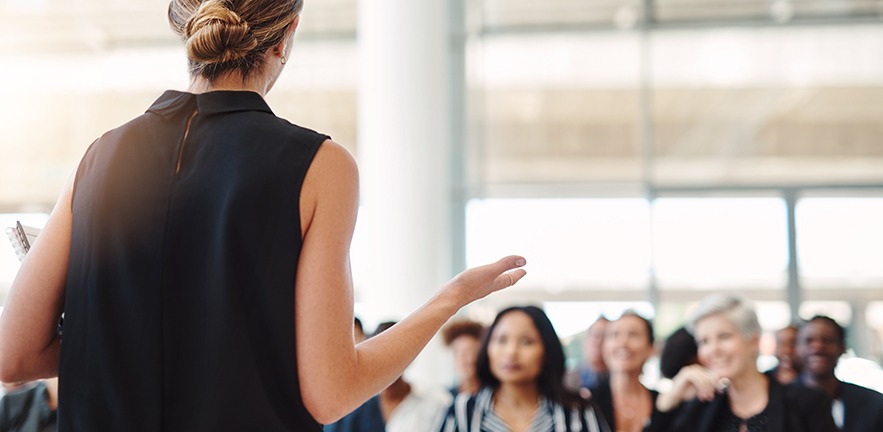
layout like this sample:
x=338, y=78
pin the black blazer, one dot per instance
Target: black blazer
x=602, y=394
x=791, y=408
x=862, y=408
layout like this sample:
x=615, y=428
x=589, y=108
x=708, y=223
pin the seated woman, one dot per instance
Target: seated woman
x=463, y=337
x=725, y=391
x=624, y=401
x=520, y=368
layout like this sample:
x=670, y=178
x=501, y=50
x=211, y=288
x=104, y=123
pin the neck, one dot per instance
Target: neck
x=826, y=383
x=748, y=394
x=626, y=382
x=260, y=83
x=469, y=385
x=748, y=385
x=518, y=395
x=202, y=85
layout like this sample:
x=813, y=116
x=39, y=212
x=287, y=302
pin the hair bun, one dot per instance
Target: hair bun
x=216, y=34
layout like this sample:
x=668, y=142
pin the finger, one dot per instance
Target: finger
x=508, y=279
x=722, y=384
x=516, y=275
x=509, y=263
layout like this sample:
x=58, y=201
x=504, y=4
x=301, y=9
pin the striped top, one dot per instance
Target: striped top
x=475, y=413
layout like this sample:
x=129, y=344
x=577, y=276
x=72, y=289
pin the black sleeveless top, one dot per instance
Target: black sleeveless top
x=179, y=310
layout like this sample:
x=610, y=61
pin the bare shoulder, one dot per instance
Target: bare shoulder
x=334, y=156
x=331, y=183
x=333, y=167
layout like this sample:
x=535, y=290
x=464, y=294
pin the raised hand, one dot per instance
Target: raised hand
x=478, y=282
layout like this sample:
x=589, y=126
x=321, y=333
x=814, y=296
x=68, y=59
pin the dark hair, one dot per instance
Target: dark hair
x=459, y=328
x=838, y=329
x=226, y=35
x=678, y=351
x=792, y=326
x=647, y=323
x=549, y=382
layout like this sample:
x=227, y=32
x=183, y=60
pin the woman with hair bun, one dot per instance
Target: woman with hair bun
x=200, y=256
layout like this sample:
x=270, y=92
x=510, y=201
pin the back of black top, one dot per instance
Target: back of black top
x=179, y=310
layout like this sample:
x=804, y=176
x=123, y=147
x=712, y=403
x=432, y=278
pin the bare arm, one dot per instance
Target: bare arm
x=29, y=344
x=336, y=376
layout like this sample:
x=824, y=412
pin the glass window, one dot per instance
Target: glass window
x=840, y=311
x=767, y=105
x=840, y=242
x=710, y=243
x=770, y=11
x=568, y=243
x=552, y=108
x=572, y=318
x=527, y=14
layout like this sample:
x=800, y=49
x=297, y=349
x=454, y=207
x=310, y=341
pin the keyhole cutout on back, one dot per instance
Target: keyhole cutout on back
x=183, y=140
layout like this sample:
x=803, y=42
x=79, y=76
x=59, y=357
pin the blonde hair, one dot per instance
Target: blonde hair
x=736, y=309
x=226, y=35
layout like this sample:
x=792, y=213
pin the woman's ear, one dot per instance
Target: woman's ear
x=284, y=47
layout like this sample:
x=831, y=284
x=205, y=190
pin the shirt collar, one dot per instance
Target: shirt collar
x=215, y=102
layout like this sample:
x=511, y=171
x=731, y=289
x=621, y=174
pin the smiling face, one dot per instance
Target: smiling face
x=819, y=348
x=723, y=348
x=627, y=345
x=515, y=350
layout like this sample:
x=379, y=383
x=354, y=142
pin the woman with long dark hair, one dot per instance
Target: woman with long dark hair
x=520, y=368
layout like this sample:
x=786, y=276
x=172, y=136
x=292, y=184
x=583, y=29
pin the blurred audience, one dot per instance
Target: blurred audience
x=678, y=351
x=785, y=371
x=463, y=337
x=400, y=407
x=520, y=367
x=624, y=401
x=725, y=391
x=820, y=343
x=593, y=369
x=29, y=407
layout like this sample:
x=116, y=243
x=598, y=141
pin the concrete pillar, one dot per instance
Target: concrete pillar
x=404, y=117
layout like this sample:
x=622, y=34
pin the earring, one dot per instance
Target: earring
x=282, y=59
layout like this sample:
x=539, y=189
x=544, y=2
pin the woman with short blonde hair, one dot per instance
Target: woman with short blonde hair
x=725, y=392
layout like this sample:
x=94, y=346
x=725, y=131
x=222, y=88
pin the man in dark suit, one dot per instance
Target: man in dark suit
x=820, y=343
